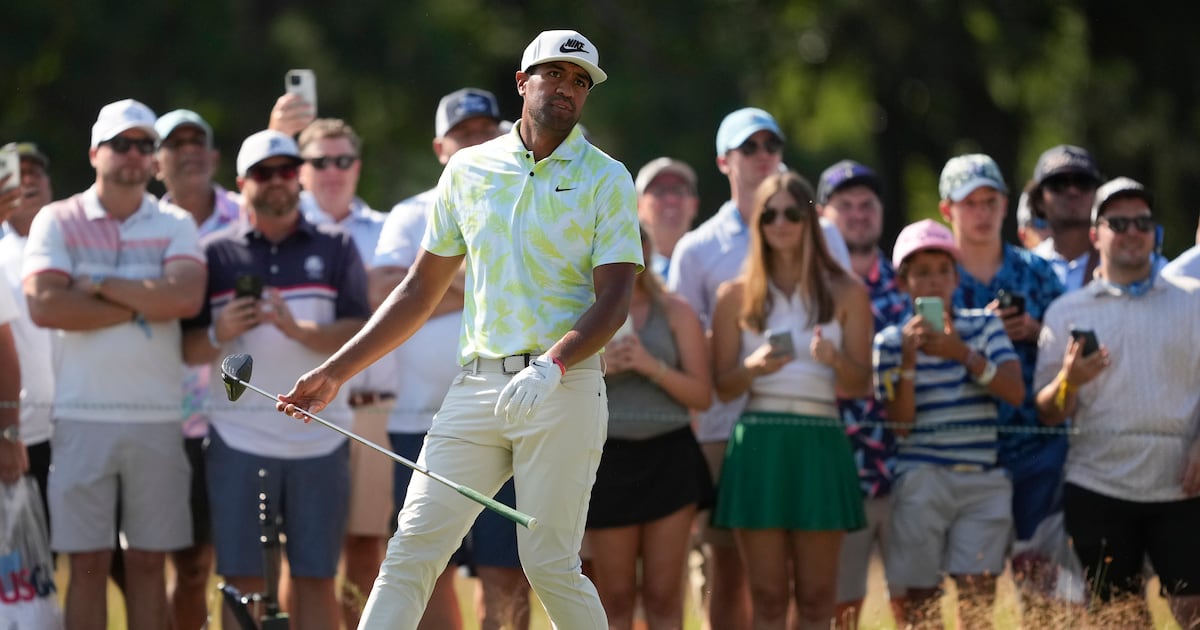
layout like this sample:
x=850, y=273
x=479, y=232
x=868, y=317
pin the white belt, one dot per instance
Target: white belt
x=798, y=406
x=516, y=362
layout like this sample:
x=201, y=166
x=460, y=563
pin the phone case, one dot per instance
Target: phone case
x=1088, y=338
x=781, y=342
x=304, y=83
x=932, y=310
x=10, y=164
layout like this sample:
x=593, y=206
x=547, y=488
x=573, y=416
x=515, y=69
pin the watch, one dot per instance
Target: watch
x=96, y=280
x=11, y=433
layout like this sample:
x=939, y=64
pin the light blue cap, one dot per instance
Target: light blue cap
x=170, y=121
x=740, y=125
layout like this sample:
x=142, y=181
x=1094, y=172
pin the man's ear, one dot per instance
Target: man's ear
x=723, y=164
x=522, y=79
x=944, y=209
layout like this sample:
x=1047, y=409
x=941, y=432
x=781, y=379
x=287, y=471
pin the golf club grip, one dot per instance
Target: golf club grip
x=518, y=517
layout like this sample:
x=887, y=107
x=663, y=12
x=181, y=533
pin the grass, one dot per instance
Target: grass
x=877, y=616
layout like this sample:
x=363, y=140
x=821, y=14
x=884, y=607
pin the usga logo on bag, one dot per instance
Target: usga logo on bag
x=20, y=583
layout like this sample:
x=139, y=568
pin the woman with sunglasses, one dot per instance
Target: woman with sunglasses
x=793, y=331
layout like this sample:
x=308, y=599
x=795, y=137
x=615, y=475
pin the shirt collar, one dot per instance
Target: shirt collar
x=1100, y=286
x=94, y=211
x=248, y=232
x=730, y=219
x=569, y=149
x=316, y=214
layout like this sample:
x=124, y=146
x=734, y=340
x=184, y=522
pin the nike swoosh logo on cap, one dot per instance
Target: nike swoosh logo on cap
x=560, y=189
x=571, y=46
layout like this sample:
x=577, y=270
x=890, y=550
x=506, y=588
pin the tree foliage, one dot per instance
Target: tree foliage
x=901, y=86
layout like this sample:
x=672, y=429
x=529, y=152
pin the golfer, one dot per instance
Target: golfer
x=548, y=226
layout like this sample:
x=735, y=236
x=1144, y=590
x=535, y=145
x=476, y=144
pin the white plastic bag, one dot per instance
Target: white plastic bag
x=28, y=595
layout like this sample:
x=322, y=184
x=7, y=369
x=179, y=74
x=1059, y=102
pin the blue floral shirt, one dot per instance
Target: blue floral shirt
x=1021, y=273
x=875, y=446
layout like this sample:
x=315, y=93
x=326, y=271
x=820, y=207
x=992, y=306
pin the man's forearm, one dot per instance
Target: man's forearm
x=69, y=309
x=157, y=299
x=614, y=292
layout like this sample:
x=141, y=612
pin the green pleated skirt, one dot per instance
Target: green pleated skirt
x=784, y=471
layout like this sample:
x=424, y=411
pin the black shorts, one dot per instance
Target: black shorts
x=1113, y=536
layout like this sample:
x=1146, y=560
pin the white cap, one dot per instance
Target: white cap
x=659, y=166
x=564, y=46
x=262, y=145
x=121, y=116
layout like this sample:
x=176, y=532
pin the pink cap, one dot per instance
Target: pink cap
x=923, y=235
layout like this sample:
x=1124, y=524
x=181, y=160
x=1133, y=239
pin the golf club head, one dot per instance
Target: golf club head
x=236, y=367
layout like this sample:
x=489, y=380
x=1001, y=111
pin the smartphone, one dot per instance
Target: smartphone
x=932, y=310
x=304, y=83
x=625, y=330
x=10, y=166
x=248, y=284
x=781, y=343
x=1087, y=338
x=1008, y=300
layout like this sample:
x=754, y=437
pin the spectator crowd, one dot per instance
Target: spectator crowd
x=787, y=399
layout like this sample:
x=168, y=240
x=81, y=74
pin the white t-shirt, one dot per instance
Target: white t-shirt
x=428, y=362
x=35, y=347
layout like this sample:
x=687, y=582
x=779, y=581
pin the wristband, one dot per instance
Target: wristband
x=212, y=336
x=908, y=375
x=660, y=372
x=561, y=366
x=985, y=377
x=1064, y=389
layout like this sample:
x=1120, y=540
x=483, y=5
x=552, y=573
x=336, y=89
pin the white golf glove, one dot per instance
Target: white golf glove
x=529, y=388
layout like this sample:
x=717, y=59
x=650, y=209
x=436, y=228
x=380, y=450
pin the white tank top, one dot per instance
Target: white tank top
x=803, y=377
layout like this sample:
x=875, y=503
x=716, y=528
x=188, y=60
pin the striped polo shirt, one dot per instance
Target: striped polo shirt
x=532, y=232
x=130, y=372
x=956, y=418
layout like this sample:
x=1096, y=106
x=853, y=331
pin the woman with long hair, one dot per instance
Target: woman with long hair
x=794, y=331
x=652, y=476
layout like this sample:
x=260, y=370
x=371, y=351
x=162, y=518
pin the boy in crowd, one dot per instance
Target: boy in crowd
x=950, y=502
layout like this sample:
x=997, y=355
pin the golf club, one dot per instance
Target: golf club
x=235, y=373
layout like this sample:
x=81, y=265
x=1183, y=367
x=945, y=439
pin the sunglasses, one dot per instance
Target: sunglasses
x=791, y=213
x=183, y=141
x=343, y=162
x=121, y=144
x=774, y=146
x=1120, y=225
x=1059, y=183
x=263, y=174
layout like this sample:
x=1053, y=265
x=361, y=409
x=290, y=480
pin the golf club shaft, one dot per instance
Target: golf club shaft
x=511, y=514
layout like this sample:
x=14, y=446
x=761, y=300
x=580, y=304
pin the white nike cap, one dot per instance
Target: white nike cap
x=564, y=46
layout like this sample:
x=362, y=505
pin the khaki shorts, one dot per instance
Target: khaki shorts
x=371, y=509
x=142, y=463
x=855, y=562
x=944, y=521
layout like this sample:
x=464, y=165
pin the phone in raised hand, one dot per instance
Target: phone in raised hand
x=10, y=166
x=304, y=83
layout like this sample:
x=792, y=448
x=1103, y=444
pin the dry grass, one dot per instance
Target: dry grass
x=1007, y=614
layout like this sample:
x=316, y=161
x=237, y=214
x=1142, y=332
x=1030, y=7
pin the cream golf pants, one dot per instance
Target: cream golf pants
x=553, y=456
